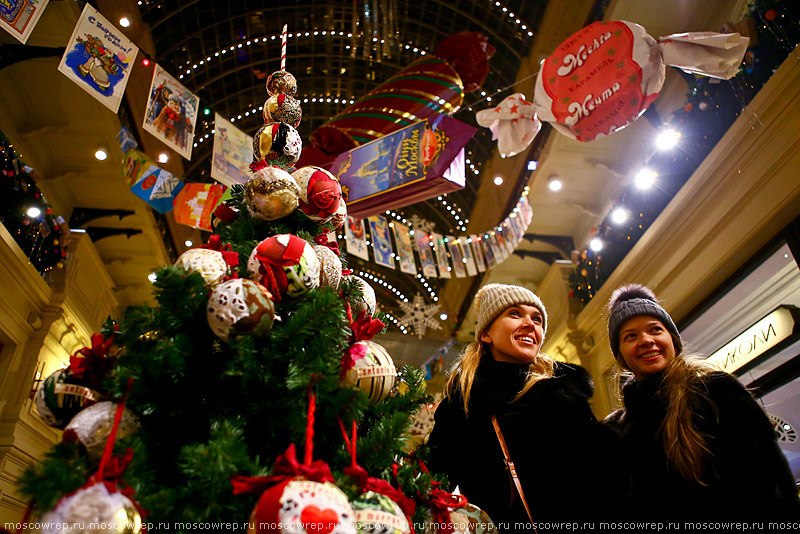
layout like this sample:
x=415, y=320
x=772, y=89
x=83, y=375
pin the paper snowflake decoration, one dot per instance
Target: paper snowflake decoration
x=420, y=316
x=421, y=225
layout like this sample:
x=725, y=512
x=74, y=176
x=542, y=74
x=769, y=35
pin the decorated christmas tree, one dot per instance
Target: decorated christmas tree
x=251, y=397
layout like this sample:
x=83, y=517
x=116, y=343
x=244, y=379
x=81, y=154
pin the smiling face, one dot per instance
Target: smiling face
x=516, y=334
x=645, y=345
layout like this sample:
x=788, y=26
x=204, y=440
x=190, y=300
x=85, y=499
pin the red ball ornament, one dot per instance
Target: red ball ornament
x=320, y=192
x=286, y=264
x=300, y=506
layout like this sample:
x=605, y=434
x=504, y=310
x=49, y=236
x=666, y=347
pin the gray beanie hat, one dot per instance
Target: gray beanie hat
x=492, y=299
x=631, y=301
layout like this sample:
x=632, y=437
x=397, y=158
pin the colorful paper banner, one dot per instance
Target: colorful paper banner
x=195, y=203
x=19, y=17
x=381, y=242
x=98, y=58
x=232, y=154
x=171, y=112
x=158, y=188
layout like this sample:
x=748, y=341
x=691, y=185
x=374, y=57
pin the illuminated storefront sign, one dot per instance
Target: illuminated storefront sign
x=756, y=340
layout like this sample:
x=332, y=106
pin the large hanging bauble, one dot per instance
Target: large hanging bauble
x=271, y=194
x=378, y=514
x=93, y=510
x=281, y=82
x=277, y=143
x=240, y=306
x=60, y=397
x=286, y=264
x=374, y=374
x=367, y=301
x=302, y=506
x=469, y=519
x=93, y=426
x=330, y=273
x=210, y=264
x=283, y=108
x=320, y=192
x=340, y=216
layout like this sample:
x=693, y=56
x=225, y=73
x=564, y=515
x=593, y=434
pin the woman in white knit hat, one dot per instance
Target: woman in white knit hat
x=504, y=389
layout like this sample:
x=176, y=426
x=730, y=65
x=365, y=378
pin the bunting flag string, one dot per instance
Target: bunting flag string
x=437, y=255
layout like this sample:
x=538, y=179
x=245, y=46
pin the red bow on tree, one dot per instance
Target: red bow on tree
x=322, y=239
x=363, y=328
x=91, y=364
x=440, y=503
x=230, y=257
x=286, y=467
x=225, y=213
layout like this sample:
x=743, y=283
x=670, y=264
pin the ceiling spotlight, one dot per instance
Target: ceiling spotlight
x=555, y=185
x=33, y=212
x=619, y=215
x=124, y=22
x=667, y=139
x=645, y=178
x=152, y=277
x=498, y=180
x=443, y=317
x=188, y=243
x=163, y=157
x=596, y=245
x=101, y=154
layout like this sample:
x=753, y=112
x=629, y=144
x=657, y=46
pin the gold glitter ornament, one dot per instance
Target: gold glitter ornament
x=277, y=143
x=281, y=82
x=271, y=194
x=283, y=108
x=210, y=264
x=330, y=267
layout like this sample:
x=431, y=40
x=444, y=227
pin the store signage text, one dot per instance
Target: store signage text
x=754, y=341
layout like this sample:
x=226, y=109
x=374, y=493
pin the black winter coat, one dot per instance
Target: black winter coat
x=751, y=479
x=562, y=454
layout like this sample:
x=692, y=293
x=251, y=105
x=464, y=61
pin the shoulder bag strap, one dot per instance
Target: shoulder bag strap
x=512, y=471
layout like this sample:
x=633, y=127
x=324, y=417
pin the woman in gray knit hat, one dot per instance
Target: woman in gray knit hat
x=559, y=450
x=696, y=444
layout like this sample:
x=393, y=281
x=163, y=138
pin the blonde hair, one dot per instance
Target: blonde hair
x=682, y=387
x=463, y=372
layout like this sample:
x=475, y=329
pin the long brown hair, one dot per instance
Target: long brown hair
x=682, y=388
x=463, y=372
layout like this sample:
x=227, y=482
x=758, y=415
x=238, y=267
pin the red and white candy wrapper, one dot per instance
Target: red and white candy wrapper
x=606, y=75
x=513, y=124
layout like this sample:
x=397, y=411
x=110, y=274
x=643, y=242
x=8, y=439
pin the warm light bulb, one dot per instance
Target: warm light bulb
x=555, y=185
x=152, y=277
x=498, y=180
x=188, y=243
x=163, y=157
x=101, y=154
x=124, y=22
x=619, y=215
x=596, y=245
x=667, y=139
x=443, y=317
x=645, y=178
x=33, y=212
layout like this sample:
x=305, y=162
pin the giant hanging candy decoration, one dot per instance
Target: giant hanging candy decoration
x=605, y=76
x=431, y=85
